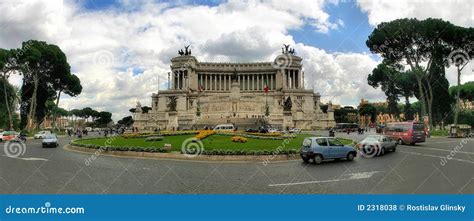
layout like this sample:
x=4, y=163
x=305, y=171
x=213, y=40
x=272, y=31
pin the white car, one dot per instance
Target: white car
x=294, y=130
x=376, y=145
x=41, y=134
x=1, y=136
x=273, y=130
x=224, y=127
x=50, y=140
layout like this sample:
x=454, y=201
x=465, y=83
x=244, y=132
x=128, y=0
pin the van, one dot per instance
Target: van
x=408, y=132
x=224, y=127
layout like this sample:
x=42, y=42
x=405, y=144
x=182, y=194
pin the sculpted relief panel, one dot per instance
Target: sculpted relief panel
x=250, y=106
x=219, y=107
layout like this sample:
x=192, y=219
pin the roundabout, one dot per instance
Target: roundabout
x=198, y=145
x=66, y=170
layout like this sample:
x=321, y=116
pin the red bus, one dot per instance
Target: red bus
x=406, y=132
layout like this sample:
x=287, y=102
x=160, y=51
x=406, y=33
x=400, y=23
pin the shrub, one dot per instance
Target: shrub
x=239, y=139
x=159, y=138
x=204, y=133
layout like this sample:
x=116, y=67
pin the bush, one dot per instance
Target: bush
x=154, y=138
x=440, y=133
x=239, y=139
x=204, y=133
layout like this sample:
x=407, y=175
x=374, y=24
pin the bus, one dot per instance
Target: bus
x=343, y=127
x=406, y=132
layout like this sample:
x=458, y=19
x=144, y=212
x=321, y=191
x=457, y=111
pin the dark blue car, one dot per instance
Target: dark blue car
x=324, y=148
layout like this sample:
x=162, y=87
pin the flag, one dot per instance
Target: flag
x=266, y=87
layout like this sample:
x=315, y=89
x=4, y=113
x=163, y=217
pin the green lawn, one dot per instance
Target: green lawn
x=440, y=133
x=214, y=142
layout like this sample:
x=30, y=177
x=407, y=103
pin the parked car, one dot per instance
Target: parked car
x=50, y=140
x=294, y=130
x=1, y=136
x=224, y=127
x=9, y=135
x=273, y=130
x=263, y=130
x=41, y=134
x=251, y=130
x=376, y=145
x=323, y=148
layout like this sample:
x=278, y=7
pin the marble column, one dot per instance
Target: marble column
x=253, y=82
x=271, y=81
x=292, y=79
x=177, y=80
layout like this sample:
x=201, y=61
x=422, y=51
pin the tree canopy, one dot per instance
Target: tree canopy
x=425, y=47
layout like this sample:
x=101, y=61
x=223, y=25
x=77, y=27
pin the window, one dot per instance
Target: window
x=307, y=143
x=322, y=142
x=334, y=142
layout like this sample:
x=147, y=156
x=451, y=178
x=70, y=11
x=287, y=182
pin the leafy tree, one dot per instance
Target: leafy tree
x=45, y=70
x=368, y=110
x=343, y=115
x=414, y=42
x=466, y=91
x=104, y=118
x=68, y=83
x=87, y=112
x=146, y=109
x=126, y=121
x=324, y=108
x=406, y=82
x=461, y=53
x=385, y=76
x=7, y=115
x=442, y=101
x=7, y=66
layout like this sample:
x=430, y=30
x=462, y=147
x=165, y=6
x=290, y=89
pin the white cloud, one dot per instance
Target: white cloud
x=106, y=47
x=458, y=12
x=339, y=77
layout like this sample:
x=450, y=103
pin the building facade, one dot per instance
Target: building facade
x=244, y=94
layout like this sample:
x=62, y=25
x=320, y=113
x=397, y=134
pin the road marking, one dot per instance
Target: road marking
x=27, y=158
x=429, y=148
x=435, y=156
x=451, y=141
x=351, y=176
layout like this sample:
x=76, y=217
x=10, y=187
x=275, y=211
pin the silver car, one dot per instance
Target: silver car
x=50, y=140
x=376, y=145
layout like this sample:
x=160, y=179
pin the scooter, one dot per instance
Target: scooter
x=20, y=138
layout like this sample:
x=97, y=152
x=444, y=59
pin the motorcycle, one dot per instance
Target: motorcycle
x=20, y=138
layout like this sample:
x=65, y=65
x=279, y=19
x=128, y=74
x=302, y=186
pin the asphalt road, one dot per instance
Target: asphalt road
x=411, y=169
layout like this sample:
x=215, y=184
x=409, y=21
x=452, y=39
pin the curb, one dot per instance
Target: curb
x=181, y=157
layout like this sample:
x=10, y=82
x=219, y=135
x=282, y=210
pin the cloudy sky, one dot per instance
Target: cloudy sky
x=121, y=49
